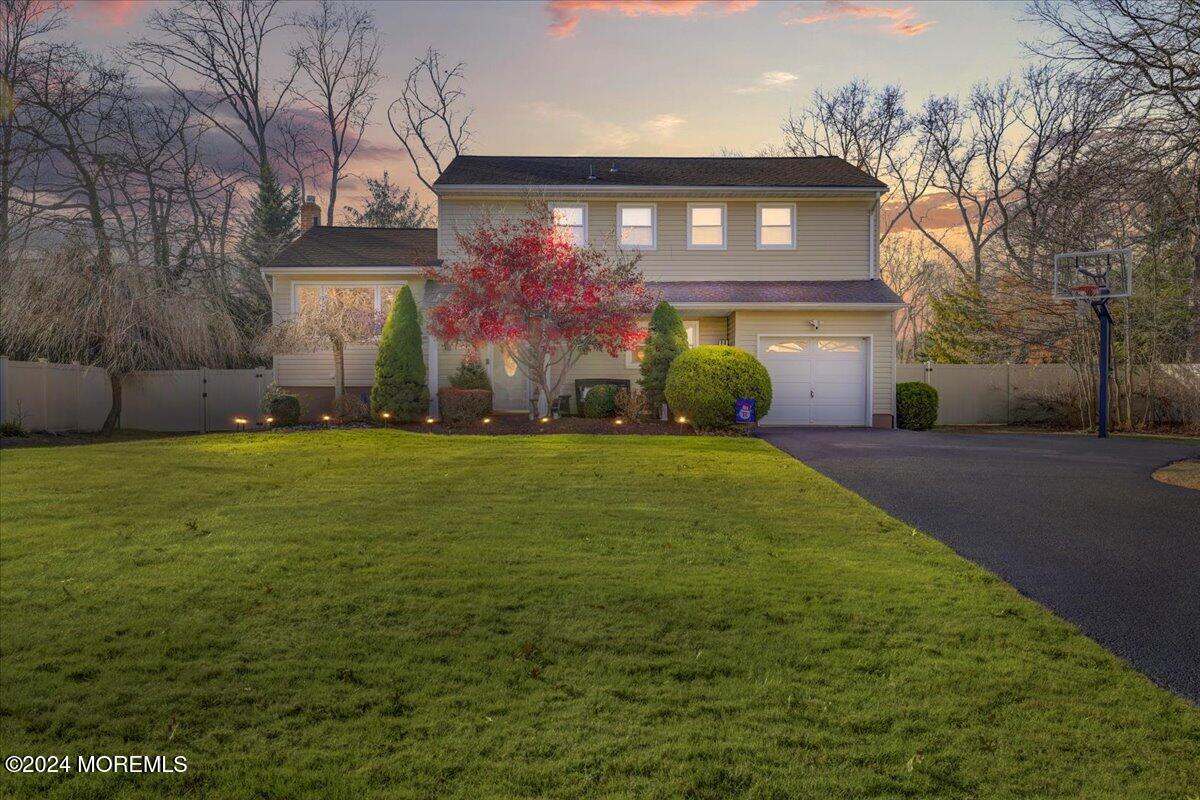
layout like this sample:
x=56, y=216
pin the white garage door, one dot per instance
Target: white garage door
x=816, y=380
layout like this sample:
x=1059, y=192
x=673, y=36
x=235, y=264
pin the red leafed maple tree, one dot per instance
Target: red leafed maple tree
x=521, y=283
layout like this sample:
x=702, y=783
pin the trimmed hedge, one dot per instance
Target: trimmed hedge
x=916, y=406
x=284, y=409
x=601, y=402
x=704, y=382
x=471, y=374
x=464, y=405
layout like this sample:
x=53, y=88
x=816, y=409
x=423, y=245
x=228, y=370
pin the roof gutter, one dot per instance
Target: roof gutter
x=628, y=189
x=390, y=270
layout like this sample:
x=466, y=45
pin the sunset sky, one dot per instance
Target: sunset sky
x=630, y=77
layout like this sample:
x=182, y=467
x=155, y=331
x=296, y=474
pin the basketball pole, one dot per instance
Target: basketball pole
x=1101, y=309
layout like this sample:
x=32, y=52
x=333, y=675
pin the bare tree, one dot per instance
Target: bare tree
x=338, y=51
x=294, y=146
x=22, y=22
x=337, y=318
x=1150, y=50
x=910, y=267
x=221, y=46
x=868, y=127
x=429, y=118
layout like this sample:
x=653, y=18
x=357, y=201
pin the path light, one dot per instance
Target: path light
x=544, y=420
x=386, y=415
x=270, y=420
x=430, y=420
x=618, y=422
x=487, y=420
x=241, y=423
x=681, y=421
x=325, y=418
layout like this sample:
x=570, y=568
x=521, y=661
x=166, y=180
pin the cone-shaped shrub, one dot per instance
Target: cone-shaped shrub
x=400, y=386
x=666, y=340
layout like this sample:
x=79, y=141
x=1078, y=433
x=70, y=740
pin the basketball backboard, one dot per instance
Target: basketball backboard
x=1093, y=274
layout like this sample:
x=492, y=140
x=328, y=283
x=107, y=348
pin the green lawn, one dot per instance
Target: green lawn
x=349, y=614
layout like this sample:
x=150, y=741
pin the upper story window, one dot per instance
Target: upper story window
x=637, y=226
x=776, y=226
x=706, y=226
x=571, y=221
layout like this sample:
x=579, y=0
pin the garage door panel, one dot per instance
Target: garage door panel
x=832, y=369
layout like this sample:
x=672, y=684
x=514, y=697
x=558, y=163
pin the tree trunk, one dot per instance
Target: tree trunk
x=339, y=370
x=114, y=411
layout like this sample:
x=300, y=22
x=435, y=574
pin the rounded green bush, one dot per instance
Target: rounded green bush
x=916, y=406
x=600, y=402
x=284, y=409
x=704, y=382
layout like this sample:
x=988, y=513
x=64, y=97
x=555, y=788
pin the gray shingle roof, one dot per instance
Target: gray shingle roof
x=717, y=293
x=721, y=292
x=344, y=247
x=809, y=172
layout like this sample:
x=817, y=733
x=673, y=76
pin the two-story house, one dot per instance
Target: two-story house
x=777, y=256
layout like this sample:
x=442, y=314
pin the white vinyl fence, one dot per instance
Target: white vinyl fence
x=45, y=396
x=999, y=394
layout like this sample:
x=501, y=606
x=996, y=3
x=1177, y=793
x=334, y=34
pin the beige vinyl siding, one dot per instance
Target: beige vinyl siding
x=877, y=324
x=316, y=369
x=832, y=237
x=601, y=365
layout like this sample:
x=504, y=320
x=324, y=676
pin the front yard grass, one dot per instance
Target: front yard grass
x=349, y=614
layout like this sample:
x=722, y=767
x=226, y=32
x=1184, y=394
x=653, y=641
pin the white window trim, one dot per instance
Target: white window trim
x=323, y=285
x=692, y=326
x=724, y=226
x=758, y=226
x=653, y=226
x=564, y=204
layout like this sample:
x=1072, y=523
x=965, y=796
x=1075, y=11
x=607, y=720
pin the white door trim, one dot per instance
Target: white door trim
x=870, y=338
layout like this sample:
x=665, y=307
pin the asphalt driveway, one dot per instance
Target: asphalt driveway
x=1075, y=523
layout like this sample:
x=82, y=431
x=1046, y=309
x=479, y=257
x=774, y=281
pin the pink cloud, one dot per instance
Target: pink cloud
x=565, y=15
x=108, y=14
x=901, y=17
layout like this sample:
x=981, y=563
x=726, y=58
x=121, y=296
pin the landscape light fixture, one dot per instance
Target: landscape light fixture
x=240, y=422
x=430, y=420
x=325, y=418
x=270, y=420
x=544, y=420
x=681, y=421
x=487, y=420
x=618, y=421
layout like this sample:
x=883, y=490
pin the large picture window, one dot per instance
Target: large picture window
x=370, y=298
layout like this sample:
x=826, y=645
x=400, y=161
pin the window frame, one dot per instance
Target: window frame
x=556, y=204
x=724, y=245
x=653, y=226
x=689, y=325
x=758, y=226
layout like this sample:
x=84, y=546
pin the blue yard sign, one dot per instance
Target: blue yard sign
x=745, y=410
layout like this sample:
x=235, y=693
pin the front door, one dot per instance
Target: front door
x=510, y=388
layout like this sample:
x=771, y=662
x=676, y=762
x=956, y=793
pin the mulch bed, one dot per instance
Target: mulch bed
x=519, y=425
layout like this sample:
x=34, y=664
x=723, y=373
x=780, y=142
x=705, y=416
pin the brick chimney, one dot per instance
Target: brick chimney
x=310, y=214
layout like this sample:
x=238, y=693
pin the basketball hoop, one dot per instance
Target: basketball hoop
x=1094, y=277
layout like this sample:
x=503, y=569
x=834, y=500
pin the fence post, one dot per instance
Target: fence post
x=204, y=400
x=45, y=372
x=1008, y=393
x=4, y=389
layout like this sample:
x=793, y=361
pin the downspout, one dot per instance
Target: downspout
x=873, y=227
